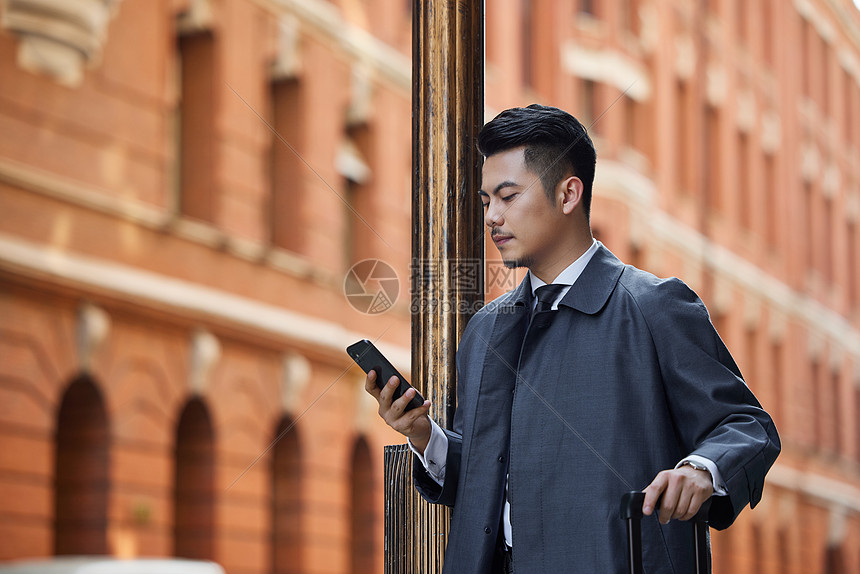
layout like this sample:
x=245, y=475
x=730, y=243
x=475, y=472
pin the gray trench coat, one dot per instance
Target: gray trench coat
x=580, y=405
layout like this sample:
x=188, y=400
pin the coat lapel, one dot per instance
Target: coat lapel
x=492, y=407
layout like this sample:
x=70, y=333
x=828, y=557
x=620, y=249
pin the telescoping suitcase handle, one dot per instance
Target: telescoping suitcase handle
x=631, y=511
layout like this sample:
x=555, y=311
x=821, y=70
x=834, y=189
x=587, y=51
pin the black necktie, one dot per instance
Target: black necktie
x=546, y=296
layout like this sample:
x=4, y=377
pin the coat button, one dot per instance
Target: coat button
x=501, y=459
x=488, y=530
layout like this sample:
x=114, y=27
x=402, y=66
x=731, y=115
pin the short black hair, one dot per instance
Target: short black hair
x=556, y=145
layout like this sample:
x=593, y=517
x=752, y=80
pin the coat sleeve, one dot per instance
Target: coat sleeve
x=714, y=412
x=428, y=488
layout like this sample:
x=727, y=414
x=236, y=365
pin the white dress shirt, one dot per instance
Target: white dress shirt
x=436, y=452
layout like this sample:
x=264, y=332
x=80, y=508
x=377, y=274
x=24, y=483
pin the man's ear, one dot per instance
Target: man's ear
x=571, y=194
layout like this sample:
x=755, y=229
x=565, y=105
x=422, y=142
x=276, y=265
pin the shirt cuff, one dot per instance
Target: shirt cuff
x=435, y=454
x=716, y=478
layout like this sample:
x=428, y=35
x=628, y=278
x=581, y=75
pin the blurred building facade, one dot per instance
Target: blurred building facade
x=184, y=185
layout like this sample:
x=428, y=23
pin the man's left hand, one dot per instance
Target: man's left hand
x=683, y=491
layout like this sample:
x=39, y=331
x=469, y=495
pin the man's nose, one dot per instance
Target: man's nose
x=493, y=217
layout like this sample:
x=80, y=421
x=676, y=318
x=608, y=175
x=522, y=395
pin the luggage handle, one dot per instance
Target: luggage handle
x=631, y=511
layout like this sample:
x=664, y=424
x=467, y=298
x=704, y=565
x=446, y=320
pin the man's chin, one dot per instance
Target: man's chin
x=517, y=263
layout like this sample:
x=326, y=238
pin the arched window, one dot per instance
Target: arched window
x=833, y=562
x=81, y=472
x=194, y=484
x=783, y=551
x=363, y=545
x=758, y=548
x=286, y=500
x=723, y=555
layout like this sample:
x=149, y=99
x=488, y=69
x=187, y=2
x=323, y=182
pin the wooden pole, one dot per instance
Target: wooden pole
x=447, y=249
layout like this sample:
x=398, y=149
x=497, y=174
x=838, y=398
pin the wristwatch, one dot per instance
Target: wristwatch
x=695, y=465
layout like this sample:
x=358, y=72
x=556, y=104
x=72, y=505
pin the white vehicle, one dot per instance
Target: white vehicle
x=108, y=565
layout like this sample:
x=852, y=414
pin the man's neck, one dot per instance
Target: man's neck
x=548, y=271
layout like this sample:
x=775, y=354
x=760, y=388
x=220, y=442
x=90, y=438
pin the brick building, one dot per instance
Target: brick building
x=184, y=185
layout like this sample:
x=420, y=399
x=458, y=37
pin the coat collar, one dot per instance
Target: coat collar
x=593, y=288
x=590, y=292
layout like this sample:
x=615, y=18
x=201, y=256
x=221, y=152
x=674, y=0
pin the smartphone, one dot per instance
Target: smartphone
x=369, y=359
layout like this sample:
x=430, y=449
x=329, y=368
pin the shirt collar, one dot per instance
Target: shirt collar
x=570, y=273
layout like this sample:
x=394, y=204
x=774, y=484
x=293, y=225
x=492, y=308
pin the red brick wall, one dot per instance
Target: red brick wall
x=756, y=208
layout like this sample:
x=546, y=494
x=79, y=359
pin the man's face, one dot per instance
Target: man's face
x=525, y=224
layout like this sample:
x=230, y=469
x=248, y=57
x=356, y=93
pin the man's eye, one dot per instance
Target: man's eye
x=509, y=197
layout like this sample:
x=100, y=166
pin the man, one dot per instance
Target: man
x=570, y=395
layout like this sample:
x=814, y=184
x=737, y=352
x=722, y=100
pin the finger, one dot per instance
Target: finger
x=690, y=509
x=652, y=494
x=387, y=392
x=696, y=502
x=670, y=499
x=370, y=384
x=682, y=508
x=399, y=406
x=406, y=423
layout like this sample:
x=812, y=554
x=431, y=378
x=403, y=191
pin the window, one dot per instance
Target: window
x=285, y=164
x=758, y=549
x=814, y=413
x=807, y=237
x=847, y=108
x=587, y=104
x=81, y=481
x=527, y=42
x=834, y=563
x=769, y=22
x=772, y=202
x=363, y=542
x=587, y=7
x=713, y=168
x=630, y=15
x=194, y=484
x=825, y=75
x=491, y=36
x=857, y=422
x=827, y=243
x=806, y=57
x=742, y=21
x=854, y=103
x=353, y=164
x=724, y=552
x=835, y=416
x=196, y=122
x=684, y=152
x=783, y=551
x=630, y=128
x=777, y=382
x=750, y=355
x=852, y=267
x=286, y=551
x=745, y=188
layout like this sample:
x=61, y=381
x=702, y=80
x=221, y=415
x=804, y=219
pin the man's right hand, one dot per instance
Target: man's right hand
x=413, y=424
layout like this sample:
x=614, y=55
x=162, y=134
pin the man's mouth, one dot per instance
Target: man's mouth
x=500, y=239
